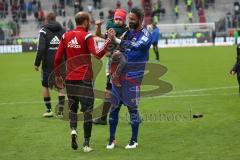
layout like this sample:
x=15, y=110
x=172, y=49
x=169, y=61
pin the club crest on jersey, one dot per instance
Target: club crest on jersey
x=73, y=43
x=134, y=40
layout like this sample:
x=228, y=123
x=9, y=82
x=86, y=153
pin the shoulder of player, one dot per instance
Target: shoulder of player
x=145, y=32
x=43, y=30
x=87, y=35
x=67, y=33
x=71, y=33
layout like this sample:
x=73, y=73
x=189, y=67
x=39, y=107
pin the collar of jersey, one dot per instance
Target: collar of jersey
x=80, y=28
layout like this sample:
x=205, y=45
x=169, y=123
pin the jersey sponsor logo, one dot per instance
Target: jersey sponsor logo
x=73, y=43
x=146, y=32
x=55, y=40
x=144, y=38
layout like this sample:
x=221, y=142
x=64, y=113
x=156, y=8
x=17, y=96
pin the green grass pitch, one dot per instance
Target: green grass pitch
x=201, y=84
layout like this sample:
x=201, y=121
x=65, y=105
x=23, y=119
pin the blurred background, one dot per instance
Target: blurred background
x=191, y=21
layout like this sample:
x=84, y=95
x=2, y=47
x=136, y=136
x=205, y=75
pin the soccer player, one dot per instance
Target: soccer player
x=118, y=24
x=137, y=42
x=155, y=35
x=76, y=46
x=49, y=38
x=236, y=68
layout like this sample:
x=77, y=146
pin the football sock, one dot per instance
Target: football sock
x=135, y=121
x=47, y=101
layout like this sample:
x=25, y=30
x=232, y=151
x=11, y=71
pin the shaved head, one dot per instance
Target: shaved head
x=81, y=17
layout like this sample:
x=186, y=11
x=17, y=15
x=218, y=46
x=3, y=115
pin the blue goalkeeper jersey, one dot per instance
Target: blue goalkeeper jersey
x=136, y=50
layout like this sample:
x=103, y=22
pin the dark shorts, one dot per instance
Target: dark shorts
x=48, y=81
x=80, y=91
x=155, y=43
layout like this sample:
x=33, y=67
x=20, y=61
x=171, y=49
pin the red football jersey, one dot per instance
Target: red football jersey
x=77, y=46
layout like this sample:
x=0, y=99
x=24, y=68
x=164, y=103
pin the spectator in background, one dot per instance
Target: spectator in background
x=176, y=10
x=39, y=5
x=36, y=15
x=23, y=10
x=60, y=7
x=235, y=34
x=34, y=7
x=176, y=2
x=155, y=12
x=13, y=28
x=110, y=14
x=90, y=8
x=101, y=15
x=95, y=4
x=64, y=25
x=54, y=8
x=119, y=4
x=236, y=8
x=130, y=4
x=1, y=10
x=229, y=19
x=41, y=15
x=213, y=36
x=155, y=19
x=2, y=36
x=76, y=7
x=197, y=4
x=99, y=4
x=70, y=25
x=190, y=16
x=63, y=12
x=62, y=2
x=29, y=8
x=159, y=3
x=14, y=10
x=155, y=36
x=5, y=7
x=189, y=5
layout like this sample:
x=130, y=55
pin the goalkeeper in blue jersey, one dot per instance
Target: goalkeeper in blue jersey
x=136, y=43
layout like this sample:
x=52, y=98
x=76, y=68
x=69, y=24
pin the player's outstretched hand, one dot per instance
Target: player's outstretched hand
x=59, y=82
x=111, y=34
x=99, y=22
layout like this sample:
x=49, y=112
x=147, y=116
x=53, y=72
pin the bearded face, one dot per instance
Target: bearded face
x=134, y=21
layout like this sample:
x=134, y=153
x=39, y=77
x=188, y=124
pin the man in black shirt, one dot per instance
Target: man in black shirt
x=49, y=38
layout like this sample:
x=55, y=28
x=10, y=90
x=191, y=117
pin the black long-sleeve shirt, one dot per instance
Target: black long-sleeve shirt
x=49, y=39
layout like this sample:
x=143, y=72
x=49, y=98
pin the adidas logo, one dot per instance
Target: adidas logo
x=55, y=40
x=73, y=43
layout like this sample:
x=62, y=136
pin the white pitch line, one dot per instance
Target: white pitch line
x=203, y=89
x=23, y=102
x=191, y=95
x=155, y=97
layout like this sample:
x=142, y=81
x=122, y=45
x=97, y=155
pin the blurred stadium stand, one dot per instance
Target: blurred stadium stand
x=18, y=20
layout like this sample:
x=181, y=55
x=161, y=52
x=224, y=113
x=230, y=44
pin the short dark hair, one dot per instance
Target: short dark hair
x=50, y=17
x=81, y=17
x=138, y=12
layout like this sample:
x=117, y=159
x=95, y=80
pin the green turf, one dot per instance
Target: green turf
x=167, y=133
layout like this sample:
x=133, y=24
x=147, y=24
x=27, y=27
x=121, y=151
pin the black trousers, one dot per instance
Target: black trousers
x=155, y=49
x=81, y=92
